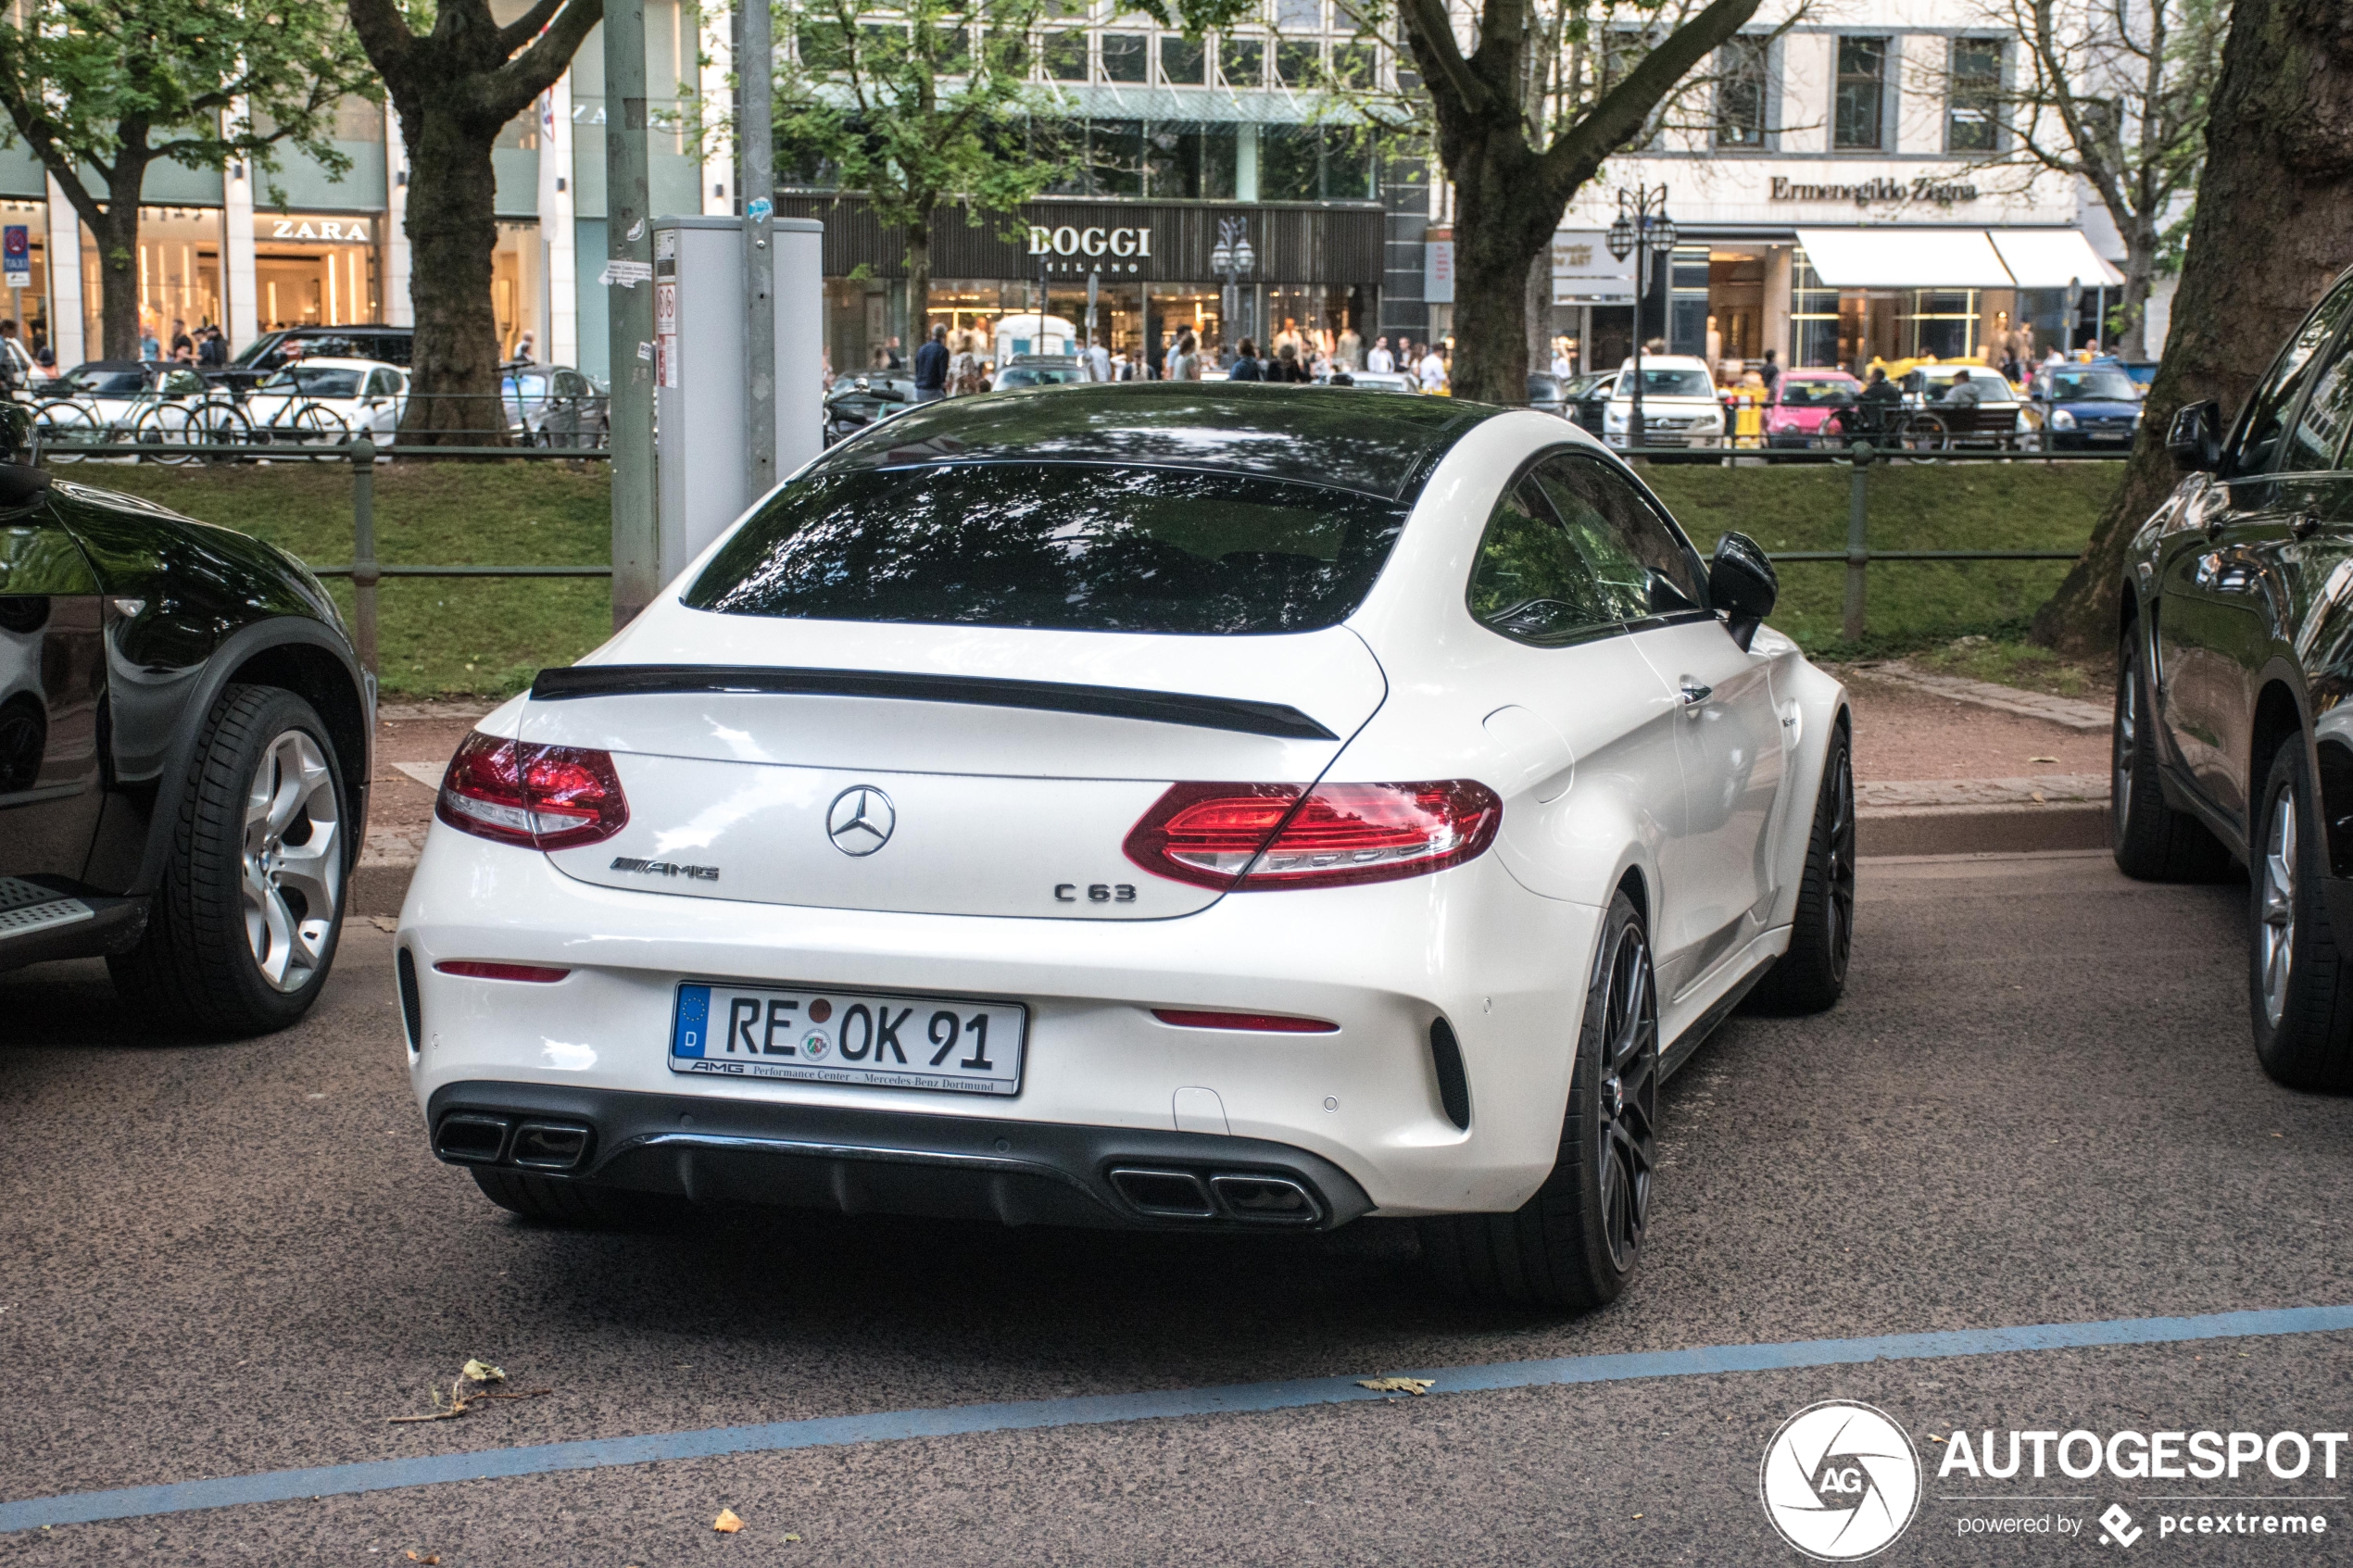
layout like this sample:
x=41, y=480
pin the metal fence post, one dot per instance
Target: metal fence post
x=1857, y=558
x=365, y=575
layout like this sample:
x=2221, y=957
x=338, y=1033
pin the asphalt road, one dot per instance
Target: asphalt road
x=2036, y=1105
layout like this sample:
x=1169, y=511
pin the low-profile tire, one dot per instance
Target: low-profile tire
x=1811, y=976
x=553, y=1201
x=242, y=929
x=1577, y=1243
x=2151, y=841
x=2299, y=988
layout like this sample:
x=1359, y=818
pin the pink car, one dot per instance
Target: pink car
x=1803, y=401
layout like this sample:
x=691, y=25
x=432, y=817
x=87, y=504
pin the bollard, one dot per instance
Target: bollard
x=1858, y=558
x=364, y=573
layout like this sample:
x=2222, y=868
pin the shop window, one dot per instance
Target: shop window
x=1741, y=92
x=522, y=134
x=1066, y=55
x=1687, y=301
x=1188, y=161
x=1241, y=61
x=1126, y=56
x=1973, y=94
x=1859, y=113
x=1184, y=62
x=1299, y=63
x=1813, y=319
x=1943, y=323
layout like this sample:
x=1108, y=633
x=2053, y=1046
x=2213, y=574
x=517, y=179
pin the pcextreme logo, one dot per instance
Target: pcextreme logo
x=1840, y=1480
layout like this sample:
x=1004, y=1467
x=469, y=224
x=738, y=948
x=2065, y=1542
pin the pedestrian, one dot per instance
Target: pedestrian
x=1963, y=394
x=184, y=347
x=891, y=362
x=148, y=347
x=1770, y=370
x=1381, y=360
x=1246, y=366
x=931, y=366
x=1098, y=361
x=1352, y=349
x=963, y=370
x=1433, y=373
x=1287, y=338
x=1184, y=364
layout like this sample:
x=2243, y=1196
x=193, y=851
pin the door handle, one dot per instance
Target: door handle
x=1694, y=693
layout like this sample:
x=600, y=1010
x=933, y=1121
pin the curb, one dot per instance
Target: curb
x=2074, y=713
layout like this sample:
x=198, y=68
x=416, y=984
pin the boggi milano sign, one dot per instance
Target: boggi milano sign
x=1127, y=249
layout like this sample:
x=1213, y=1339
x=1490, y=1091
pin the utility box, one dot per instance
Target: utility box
x=701, y=484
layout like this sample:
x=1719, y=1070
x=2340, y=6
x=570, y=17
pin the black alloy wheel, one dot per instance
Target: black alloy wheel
x=1811, y=975
x=1576, y=1244
x=2299, y=988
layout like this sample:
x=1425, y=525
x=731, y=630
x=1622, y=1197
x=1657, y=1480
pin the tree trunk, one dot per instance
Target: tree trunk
x=2274, y=219
x=453, y=227
x=117, y=238
x=918, y=283
x=1499, y=231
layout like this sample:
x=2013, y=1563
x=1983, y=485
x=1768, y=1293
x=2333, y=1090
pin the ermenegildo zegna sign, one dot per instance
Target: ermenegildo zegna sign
x=1126, y=242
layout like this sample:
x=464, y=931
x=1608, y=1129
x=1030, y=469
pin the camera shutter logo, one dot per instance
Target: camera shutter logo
x=1840, y=1480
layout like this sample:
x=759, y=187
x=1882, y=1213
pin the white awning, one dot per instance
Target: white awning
x=1904, y=258
x=2052, y=258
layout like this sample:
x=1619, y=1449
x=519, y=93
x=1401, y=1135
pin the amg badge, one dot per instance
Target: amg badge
x=664, y=868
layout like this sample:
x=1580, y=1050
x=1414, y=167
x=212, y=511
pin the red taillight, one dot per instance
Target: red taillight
x=474, y=968
x=1254, y=837
x=515, y=792
x=1264, y=1022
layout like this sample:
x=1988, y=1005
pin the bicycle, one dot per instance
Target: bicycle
x=208, y=424
x=68, y=420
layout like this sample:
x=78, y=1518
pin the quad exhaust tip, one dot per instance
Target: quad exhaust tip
x=472, y=1138
x=1248, y=1197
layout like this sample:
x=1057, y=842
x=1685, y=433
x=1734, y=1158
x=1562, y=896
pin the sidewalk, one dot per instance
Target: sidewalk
x=1941, y=767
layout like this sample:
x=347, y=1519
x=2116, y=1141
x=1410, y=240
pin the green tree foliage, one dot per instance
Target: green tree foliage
x=102, y=90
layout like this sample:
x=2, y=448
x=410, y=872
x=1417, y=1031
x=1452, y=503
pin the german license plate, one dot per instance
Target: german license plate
x=865, y=1038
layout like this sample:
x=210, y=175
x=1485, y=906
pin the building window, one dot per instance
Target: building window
x=1242, y=61
x=1860, y=112
x=1126, y=56
x=1353, y=65
x=1687, y=301
x=1973, y=95
x=1188, y=161
x=1298, y=63
x=1184, y=62
x=1066, y=55
x=1741, y=92
x=1299, y=15
x=1312, y=163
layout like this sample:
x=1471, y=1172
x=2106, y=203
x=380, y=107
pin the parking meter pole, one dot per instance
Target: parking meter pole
x=365, y=575
x=756, y=183
x=1857, y=558
x=629, y=312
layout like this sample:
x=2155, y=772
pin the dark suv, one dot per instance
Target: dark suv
x=2232, y=739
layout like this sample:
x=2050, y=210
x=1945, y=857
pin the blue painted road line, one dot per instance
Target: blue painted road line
x=284, y=1486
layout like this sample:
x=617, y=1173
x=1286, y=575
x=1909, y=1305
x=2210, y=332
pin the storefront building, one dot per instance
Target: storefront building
x=1317, y=269
x=1844, y=199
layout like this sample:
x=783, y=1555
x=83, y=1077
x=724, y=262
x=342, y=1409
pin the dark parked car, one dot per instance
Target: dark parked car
x=1544, y=393
x=858, y=401
x=2233, y=740
x=1585, y=398
x=555, y=405
x=2087, y=408
x=185, y=740
x=275, y=350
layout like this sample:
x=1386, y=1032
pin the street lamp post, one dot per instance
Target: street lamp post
x=1643, y=229
x=1232, y=256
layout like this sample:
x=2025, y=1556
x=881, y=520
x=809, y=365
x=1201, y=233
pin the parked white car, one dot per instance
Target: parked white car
x=328, y=399
x=1174, y=806
x=1681, y=405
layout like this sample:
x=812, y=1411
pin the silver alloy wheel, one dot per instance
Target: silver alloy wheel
x=2277, y=937
x=2128, y=696
x=293, y=855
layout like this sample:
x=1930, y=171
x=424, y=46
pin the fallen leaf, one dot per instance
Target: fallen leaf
x=483, y=1372
x=1414, y=1385
x=790, y=1538
x=2038, y=798
x=726, y=1524
x=2041, y=760
x=384, y=923
x=429, y=1560
x=1936, y=1439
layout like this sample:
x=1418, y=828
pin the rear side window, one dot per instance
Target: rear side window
x=1095, y=548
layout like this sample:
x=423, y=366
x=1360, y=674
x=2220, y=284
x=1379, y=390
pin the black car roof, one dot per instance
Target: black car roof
x=1383, y=443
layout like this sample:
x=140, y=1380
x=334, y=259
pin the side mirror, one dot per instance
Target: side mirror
x=1741, y=582
x=2195, y=437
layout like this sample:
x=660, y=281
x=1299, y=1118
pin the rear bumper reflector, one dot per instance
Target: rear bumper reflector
x=1264, y=1022
x=475, y=969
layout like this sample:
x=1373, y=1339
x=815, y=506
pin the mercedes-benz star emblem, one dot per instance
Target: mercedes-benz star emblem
x=859, y=819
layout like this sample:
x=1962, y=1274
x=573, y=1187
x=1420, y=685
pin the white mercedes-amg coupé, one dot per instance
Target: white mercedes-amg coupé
x=1177, y=805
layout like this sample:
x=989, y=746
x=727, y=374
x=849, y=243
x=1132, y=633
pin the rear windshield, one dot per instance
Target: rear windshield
x=309, y=382
x=1068, y=547
x=2113, y=385
x=1824, y=393
x=1670, y=383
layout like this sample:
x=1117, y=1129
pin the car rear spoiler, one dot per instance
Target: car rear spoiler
x=1237, y=714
